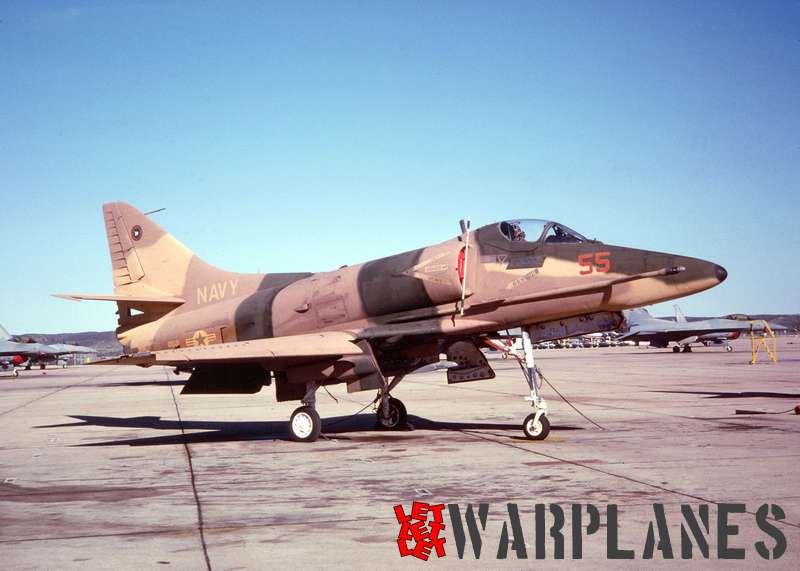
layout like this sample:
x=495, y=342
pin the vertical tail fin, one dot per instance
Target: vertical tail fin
x=148, y=261
x=4, y=336
x=679, y=316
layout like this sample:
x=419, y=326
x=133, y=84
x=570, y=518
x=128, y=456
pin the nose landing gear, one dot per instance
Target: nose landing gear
x=536, y=425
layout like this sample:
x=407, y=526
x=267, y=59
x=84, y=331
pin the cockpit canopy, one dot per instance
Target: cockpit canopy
x=531, y=230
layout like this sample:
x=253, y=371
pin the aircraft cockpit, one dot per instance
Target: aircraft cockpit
x=545, y=231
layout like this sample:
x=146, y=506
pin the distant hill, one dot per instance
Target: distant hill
x=104, y=341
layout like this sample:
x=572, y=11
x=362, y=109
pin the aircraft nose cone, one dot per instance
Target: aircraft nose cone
x=721, y=272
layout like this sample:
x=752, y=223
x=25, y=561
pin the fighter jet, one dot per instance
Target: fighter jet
x=639, y=325
x=368, y=325
x=15, y=353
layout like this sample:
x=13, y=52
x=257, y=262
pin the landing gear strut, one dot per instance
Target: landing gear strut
x=305, y=424
x=536, y=425
x=391, y=412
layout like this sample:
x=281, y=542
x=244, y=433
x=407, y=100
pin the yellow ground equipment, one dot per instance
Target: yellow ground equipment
x=763, y=338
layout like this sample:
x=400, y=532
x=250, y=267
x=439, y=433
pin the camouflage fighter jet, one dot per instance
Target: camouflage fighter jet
x=370, y=324
x=640, y=326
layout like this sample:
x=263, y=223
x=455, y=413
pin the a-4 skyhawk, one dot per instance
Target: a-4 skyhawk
x=370, y=324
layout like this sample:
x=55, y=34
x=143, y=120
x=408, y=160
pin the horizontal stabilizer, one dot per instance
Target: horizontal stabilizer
x=167, y=300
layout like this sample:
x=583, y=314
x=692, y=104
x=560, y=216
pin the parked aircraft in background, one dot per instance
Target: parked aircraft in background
x=640, y=326
x=17, y=353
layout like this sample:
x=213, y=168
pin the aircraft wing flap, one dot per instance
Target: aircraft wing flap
x=305, y=347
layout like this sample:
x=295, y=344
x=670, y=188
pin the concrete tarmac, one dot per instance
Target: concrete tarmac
x=109, y=467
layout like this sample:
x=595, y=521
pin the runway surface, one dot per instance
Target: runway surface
x=109, y=467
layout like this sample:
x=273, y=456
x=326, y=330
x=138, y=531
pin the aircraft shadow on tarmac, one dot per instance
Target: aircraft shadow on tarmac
x=234, y=431
x=742, y=395
x=142, y=384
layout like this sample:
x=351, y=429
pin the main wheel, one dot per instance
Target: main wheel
x=397, y=415
x=305, y=425
x=42, y=366
x=676, y=349
x=536, y=430
x=729, y=348
x=687, y=349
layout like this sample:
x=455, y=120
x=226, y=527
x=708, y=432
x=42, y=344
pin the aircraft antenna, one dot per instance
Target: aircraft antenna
x=465, y=229
x=155, y=211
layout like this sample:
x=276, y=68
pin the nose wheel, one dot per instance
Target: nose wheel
x=536, y=426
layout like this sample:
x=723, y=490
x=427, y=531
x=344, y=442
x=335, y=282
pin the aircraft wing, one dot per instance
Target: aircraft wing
x=714, y=337
x=684, y=335
x=636, y=333
x=9, y=348
x=287, y=349
x=66, y=349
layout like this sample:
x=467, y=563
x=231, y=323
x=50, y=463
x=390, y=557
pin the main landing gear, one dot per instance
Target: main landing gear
x=305, y=424
x=391, y=413
x=536, y=425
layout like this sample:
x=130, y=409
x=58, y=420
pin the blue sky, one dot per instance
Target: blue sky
x=303, y=136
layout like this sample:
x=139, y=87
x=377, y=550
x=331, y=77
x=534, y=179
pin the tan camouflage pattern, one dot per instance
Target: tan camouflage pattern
x=406, y=306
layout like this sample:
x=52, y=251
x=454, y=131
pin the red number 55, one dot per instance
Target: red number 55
x=594, y=261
